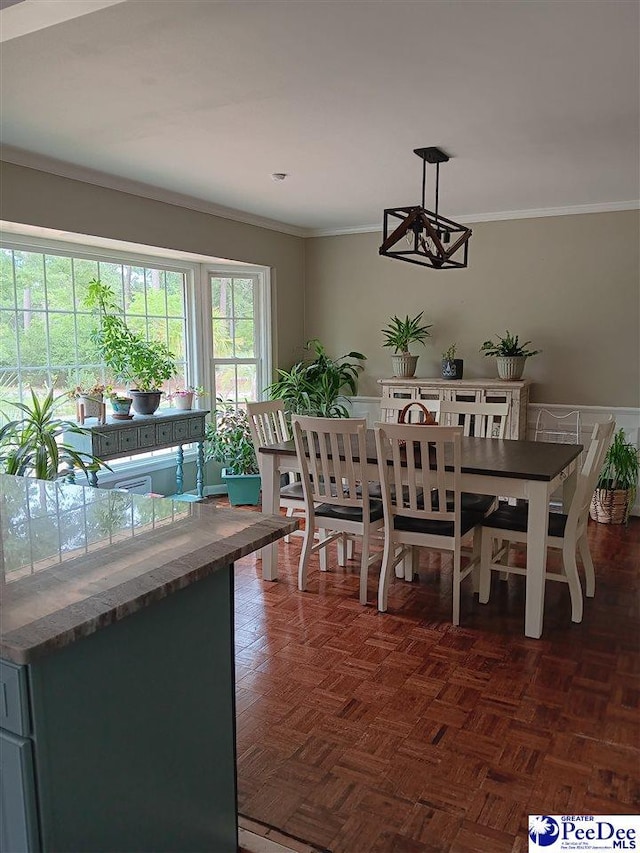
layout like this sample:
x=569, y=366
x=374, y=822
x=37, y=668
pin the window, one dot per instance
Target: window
x=45, y=330
x=239, y=364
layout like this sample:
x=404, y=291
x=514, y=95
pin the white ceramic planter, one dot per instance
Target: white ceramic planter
x=511, y=366
x=404, y=366
x=183, y=401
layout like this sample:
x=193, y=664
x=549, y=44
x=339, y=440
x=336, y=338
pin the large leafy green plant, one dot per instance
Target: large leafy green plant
x=143, y=364
x=314, y=387
x=33, y=445
x=400, y=333
x=229, y=439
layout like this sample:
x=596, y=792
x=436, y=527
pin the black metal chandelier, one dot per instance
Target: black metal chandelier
x=422, y=236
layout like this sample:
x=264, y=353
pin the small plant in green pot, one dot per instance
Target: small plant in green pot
x=510, y=355
x=617, y=484
x=399, y=334
x=34, y=445
x=451, y=366
x=315, y=387
x=229, y=442
x=120, y=405
x=144, y=365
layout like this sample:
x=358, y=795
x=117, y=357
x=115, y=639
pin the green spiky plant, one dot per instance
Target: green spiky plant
x=229, y=439
x=400, y=333
x=32, y=446
x=620, y=470
x=508, y=346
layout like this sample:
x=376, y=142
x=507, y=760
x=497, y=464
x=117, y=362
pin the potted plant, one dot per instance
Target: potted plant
x=399, y=334
x=510, y=354
x=182, y=398
x=315, y=387
x=34, y=446
x=120, y=405
x=229, y=442
x=451, y=366
x=89, y=401
x=144, y=365
x=617, y=484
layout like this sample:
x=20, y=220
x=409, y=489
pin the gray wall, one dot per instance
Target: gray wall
x=570, y=283
x=38, y=198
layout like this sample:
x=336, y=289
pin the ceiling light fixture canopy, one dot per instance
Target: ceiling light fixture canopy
x=428, y=238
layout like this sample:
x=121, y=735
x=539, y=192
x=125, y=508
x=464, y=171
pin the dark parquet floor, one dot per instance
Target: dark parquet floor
x=364, y=732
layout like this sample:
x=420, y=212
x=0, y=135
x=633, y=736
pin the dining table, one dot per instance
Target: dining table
x=508, y=468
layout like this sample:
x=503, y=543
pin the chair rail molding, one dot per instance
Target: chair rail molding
x=627, y=418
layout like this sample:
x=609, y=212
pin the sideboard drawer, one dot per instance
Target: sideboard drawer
x=147, y=435
x=106, y=443
x=128, y=439
x=196, y=428
x=180, y=431
x=164, y=433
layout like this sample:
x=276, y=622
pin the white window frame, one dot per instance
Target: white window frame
x=199, y=344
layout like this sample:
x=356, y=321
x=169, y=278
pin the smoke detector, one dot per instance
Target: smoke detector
x=278, y=176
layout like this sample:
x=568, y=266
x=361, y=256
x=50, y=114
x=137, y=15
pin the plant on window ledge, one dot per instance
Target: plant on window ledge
x=144, y=365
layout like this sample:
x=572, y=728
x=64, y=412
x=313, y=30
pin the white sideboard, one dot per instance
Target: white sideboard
x=480, y=390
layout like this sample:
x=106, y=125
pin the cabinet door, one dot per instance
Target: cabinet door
x=18, y=815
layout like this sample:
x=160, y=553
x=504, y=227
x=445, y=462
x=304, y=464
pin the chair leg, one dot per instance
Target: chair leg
x=486, y=556
x=287, y=538
x=343, y=549
x=573, y=579
x=350, y=546
x=323, y=551
x=305, y=555
x=385, y=572
x=364, y=566
x=503, y=545
x=457, y=556
x=475, y=556
x=587, y=562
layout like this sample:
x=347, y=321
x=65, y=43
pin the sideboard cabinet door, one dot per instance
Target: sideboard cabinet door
x=18, y=815
x=478, y=390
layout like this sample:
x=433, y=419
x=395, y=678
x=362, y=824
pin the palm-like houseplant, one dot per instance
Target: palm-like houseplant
x=399, y=334
x=510, y=354
x=33, y=445
x=144, y=365
x=316, y=387
x=617, y=484
x=229, y=442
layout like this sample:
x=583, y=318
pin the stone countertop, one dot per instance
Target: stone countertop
x=75, y=559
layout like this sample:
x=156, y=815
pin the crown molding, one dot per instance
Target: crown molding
x=472, y=218
x=30, y=160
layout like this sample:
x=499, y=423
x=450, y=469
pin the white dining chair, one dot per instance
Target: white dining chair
x=391, y=407
x=411, y=464
x=479, y=419
x=331, y=454
x=566, y=532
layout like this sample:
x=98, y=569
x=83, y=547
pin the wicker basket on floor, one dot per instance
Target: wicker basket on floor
x=610, y=506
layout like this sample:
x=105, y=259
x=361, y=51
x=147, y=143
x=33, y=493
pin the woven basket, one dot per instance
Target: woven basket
x=610, y=506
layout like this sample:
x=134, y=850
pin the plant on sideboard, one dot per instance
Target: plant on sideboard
x=399, y=334
x=510, y=354
x=144, y=365
x=452, y=367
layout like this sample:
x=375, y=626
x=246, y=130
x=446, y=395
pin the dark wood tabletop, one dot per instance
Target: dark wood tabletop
x=491, y=457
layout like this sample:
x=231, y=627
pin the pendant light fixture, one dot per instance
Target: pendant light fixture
x=422, y=236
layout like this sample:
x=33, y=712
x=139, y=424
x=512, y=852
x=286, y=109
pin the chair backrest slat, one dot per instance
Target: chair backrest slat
x=427, y=459
x=268, y=424
x=482, y=420
x=588, y=476
x=331, y=453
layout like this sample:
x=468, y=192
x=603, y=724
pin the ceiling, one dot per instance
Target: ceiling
x=536, y=101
